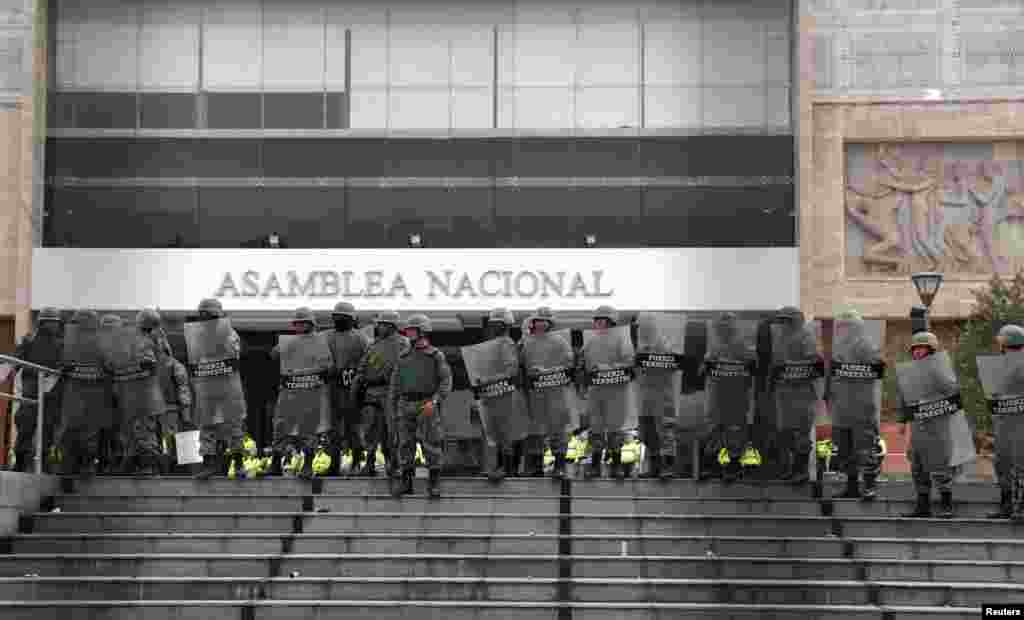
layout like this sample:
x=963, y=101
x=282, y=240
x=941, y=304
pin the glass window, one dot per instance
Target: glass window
x=233, y=45
x=234, y=110
x=169, y=46
x=105, y=110
x=293, y=110
x=167, y=110
x=293, y=46
x=121, y=217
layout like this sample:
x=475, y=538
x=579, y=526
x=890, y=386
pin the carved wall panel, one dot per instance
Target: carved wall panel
x=955, y=208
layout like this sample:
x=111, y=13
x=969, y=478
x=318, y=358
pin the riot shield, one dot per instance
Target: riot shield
x=661, y=339
x=931, y=395
x=692, y=405
x=856, y=370
x=729, y=367
x=609, y=364
x=1002, y=378
x=549, y=365
x=86, y=392
x=303, y=404
x=493, y=369
x=213, y=369
x=137, y=388
x=796, y=375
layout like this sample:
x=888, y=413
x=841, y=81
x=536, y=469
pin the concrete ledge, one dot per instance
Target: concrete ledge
x=22, y=494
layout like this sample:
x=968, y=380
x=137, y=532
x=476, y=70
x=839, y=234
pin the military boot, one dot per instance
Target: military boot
x=731, y=471
x=69, y=467
x=945, y=505
x=211, y=467
x=536, y=465
x=148, y=467
x=653, y=467
x=1005, y=505
x=239, y=463
x=923, y=510
x=335, y=470
x=512, y=468
x=369, y=469
x=126, y=467
x=403, y=484
x=495, y=472
x=593, y=470
x=306, y=473
x=618, y=470
x=667, y=467
x=1018, y=501
x=870, y=490
x=852, y=487
x=559, y=471
x=22, y=462
x=434, y=484
x=801, y=469
x=275, y=464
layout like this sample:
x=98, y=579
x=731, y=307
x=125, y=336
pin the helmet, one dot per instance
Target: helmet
x=211, y=307
x=345, y=309
x=544, y=313
x=788, y=313
x=110, y=320
x=86, y=318
x=606, y=312
x=390, y=317
x=501, y=315
x=420, y=322
x=148, y=319
x=849, y=314
x=924, y=339
x=304, y=315
x=49, y=314
x=1011, y=336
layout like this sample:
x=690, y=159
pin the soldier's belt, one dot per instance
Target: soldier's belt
x=132, y=375
x=548, y=380
x=495, y=389
x=415, y=397
x=217, y=368
x=84, y=372
x=665, y=361
x=798, y=372
x=934, y=408
x=618, y=376
x=849, y=370
x=347, y=377
x=304, y=381
x=1011, y=405
x=728, y=370
x=377, y=383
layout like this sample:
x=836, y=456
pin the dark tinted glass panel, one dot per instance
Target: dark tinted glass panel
x=293, y=110
x=234, y=110
x=531, y=157
x=307, y=218
x=305, y=158
x=229, y=218
x=61, y=110
x=104, y=110
x=117, y=218
x=386, y=217
x=606, y=158
x=228, y=158
x=168, y=110
x=440, y=158
x=719, y=156
x=337, y=111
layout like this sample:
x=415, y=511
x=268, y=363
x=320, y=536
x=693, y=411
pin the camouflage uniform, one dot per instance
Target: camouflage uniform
x=371, y=384
x=174, y=383
x=348, y=347
x=420, y=377
x=43, y=347
x=112, y=434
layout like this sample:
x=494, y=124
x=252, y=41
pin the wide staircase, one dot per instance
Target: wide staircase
x=276, y=549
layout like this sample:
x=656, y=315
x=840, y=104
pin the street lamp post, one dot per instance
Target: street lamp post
x=927, y=285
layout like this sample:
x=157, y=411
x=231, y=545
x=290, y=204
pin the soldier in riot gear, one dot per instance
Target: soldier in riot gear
x=796, y=367
x=219, y=408
x=855, y=397
x=660, y=340
x=174, y=382
x=929, y=397
x=548, y=360
x=303, y=411
x=1005, y=382
x=43, y=347
x=494, y=374
x=420, y=382
x=112, y=436
x=131, y=358
x=611, y=401
x=86, y=394
x=729, y=380
x=348, y=346
x=370, y=388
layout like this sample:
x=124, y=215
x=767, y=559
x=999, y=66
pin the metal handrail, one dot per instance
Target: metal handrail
x=17, y=362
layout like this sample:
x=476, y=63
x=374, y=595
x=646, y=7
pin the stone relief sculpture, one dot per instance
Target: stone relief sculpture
x=915, y=210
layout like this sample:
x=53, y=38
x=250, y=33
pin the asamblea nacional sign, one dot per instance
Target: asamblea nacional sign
x=654, y=279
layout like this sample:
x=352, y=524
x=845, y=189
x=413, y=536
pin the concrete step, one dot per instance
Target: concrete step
x=520, y=566
x=897, y=527
x=689, y=505
x=700, y=525
x=903, y=490
x=285, y=523
x=895, y=508
x=763, y=592
x=409, y=610
x=328, y=503
x=984, y=550
x=767, y=546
